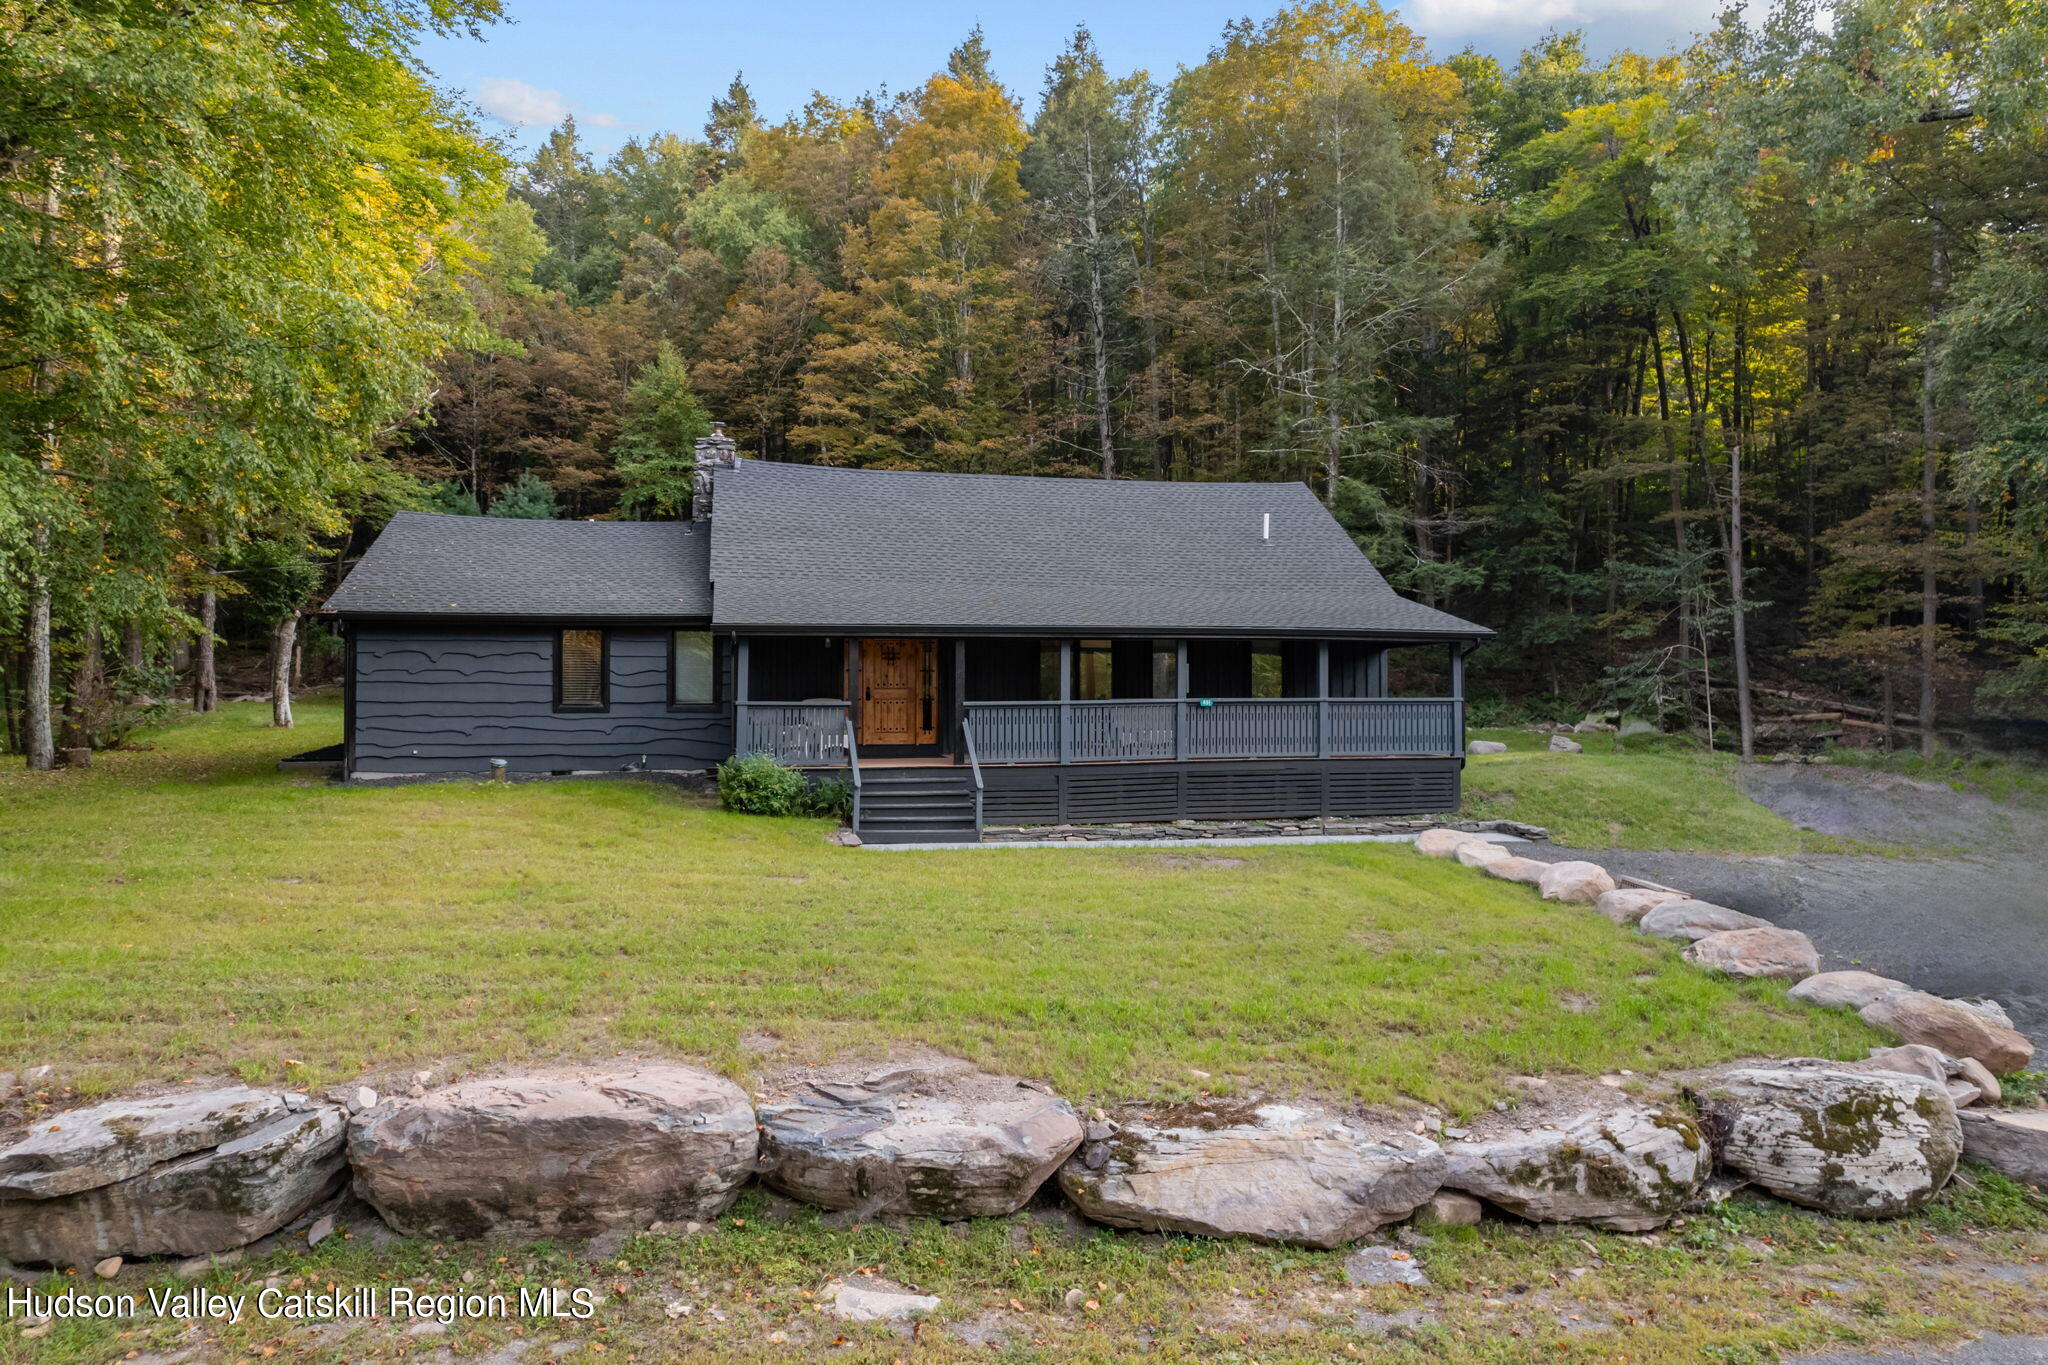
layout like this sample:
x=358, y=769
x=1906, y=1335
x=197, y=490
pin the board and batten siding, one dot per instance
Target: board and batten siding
x=443, y=699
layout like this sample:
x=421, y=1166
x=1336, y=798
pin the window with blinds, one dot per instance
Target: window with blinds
x=579, y=671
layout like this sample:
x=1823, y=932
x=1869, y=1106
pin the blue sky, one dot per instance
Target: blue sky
x=632, y=67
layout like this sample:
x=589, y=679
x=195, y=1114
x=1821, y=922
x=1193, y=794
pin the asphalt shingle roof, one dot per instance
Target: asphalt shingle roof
x=427, y=564
x=793, y=546
x=840, y=549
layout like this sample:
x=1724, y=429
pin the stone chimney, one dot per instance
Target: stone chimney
x=714, y=452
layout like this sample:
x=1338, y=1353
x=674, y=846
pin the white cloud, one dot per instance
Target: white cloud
x=1439, y=17
x=521, y=105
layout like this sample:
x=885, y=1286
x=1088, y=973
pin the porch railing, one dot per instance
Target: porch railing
x=820, y=734
x=801, y=734
x=1282, y=727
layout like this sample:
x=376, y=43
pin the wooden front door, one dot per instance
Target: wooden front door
x=899, y=701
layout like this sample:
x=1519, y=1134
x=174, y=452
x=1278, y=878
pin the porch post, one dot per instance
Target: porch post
x=1180, y=700
x=960, y=701
x=1066, y=697
x=1458, y=692
x=1322, y=699
x=742, y=732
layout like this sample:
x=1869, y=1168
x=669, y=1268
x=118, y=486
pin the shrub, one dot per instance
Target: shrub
x=758, y=785
x=833, y=796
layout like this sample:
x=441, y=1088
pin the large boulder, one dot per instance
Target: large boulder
x=1918, y=1017
x=1560, y=745
x=2014, y=1145
x=1750, y=953
x=1480, y=852
x=910, y=1143
x=1528, y=871
x=1845, y=990
x=568, y=1153
x=1619, y=1164
x=1270, y=1172
x=1915, y=1059
x=1442, y=843
x=1691, y=920
x=1579, y=883
x=1865, y=1144
x=1628, y=904
x=1486, y=746
x=199, y=1202
x=86, y=1148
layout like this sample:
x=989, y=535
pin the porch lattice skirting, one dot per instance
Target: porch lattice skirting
x=1251, y=790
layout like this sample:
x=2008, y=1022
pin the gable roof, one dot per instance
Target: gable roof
x=428, y=564
x=889, y=550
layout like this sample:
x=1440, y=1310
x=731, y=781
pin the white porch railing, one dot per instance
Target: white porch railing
x=1281, y=727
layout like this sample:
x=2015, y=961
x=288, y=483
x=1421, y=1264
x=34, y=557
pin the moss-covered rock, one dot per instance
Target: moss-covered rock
x=1270, y=1172
x=1866, y=1144
x=1618, y=1164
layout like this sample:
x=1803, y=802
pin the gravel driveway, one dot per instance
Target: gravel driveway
x=1965, y=915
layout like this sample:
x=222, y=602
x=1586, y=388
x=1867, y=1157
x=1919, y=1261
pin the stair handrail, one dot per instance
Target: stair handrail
x=853, y=770
x=974, y=765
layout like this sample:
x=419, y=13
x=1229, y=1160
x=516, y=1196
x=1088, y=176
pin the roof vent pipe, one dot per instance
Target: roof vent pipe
x=1265, y=526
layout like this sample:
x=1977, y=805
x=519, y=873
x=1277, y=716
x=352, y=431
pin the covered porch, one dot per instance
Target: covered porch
x=994, y=701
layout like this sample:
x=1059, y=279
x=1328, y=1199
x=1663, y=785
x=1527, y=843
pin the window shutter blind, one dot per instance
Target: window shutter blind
x=582, y=668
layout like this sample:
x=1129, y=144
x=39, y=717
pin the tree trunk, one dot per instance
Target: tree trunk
x=1930, y=578
x=283, y=636
x=1738, y=626
x=83, y=707
x=132, y=652
x=205, y=682
x=39, y=738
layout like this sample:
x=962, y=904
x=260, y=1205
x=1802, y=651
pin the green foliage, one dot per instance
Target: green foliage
x=527, y=497
x=656, y=451
x=755, y=784
x=276, y=578
x=451, y=498
x=733, y=220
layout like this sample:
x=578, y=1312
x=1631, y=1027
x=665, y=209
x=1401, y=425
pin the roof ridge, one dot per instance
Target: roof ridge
x=745, y=461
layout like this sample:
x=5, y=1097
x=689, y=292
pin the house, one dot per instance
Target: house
x=965, y=647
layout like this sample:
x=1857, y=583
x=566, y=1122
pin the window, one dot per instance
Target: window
x=1165, y=666
x=1092, y=665
x=580, y=670
x=1268, y=669
x=692, y=668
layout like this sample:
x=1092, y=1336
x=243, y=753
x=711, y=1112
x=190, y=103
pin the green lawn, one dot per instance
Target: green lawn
x=189, y=910
x=1642, y=794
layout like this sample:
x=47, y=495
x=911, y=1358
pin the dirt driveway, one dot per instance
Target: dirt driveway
x=1966, y=914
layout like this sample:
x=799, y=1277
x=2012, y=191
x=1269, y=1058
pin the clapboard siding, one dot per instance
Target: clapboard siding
x=444, y=699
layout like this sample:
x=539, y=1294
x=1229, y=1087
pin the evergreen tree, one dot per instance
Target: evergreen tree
x=527, y=498
x=656, y=451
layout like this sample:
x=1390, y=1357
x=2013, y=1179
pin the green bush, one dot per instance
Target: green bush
x=758, y=785
x=833, y=796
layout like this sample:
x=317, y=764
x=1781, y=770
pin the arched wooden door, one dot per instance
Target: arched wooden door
x=899, y=702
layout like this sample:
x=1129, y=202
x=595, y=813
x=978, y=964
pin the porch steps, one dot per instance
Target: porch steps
x=917, y=806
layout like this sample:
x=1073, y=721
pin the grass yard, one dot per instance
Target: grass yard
x=189, y=910
x=1642, y=794
x=1743, y=1286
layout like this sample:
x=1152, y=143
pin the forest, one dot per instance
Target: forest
x=1702, y=377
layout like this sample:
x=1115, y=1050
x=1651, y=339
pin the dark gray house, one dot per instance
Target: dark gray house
x=965, y=647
